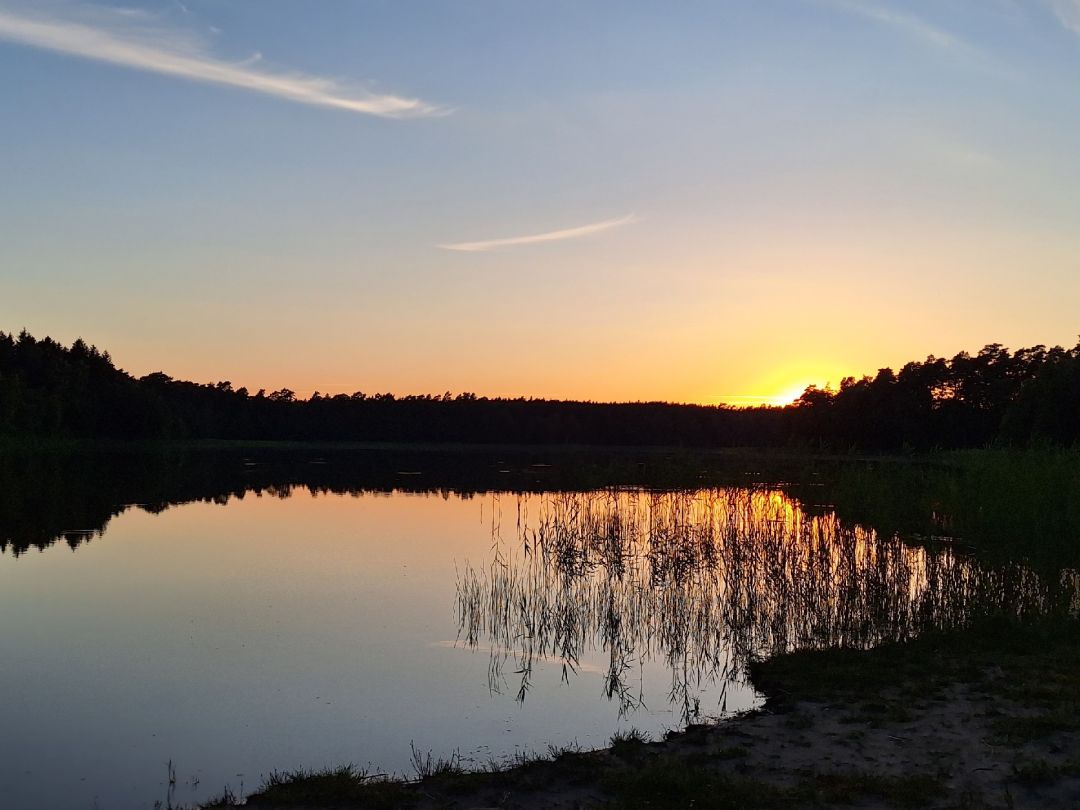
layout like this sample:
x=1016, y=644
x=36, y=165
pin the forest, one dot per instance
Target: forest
x=1030, y=396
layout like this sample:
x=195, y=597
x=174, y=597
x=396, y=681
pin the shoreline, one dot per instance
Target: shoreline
x=983, y=718
x=778, y=452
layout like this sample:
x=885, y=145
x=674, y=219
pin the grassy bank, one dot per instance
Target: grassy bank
x=987, y=718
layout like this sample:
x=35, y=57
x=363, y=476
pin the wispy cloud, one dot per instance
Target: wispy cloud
x=903, y=22
x=537, y=238
x=135, y=39
x=956, y=49
x=1068, y=13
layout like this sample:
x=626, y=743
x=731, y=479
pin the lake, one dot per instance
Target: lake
x=178, y=623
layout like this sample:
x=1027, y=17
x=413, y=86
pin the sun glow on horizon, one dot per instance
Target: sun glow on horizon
x=784, y=392
x=787, y=396
x=792, y=393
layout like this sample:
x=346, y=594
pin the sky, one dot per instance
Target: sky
x=706, y=201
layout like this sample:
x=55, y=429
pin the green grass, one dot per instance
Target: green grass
x=331, y=787
x=830, y=789
x=628, y=744
x=674, y=782
x=1009, y=659
x=671, y=782
x=428, y=766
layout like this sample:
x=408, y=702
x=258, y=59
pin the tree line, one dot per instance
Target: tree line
x=1027, y=396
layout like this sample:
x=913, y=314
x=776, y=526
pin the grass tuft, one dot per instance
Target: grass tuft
x=428, y=766
x=628, y=744
x=330, y=787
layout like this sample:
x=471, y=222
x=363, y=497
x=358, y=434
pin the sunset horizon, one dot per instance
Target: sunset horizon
x=561, y=204
x=784, y=394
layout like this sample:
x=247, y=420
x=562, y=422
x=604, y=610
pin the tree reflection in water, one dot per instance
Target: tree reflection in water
x=705, y=580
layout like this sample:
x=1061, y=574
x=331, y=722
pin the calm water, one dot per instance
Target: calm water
x=274, y=626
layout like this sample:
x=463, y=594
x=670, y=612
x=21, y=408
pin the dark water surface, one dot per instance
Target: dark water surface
x=236, y=613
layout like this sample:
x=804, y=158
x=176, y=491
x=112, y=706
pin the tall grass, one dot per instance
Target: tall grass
x=708, y=580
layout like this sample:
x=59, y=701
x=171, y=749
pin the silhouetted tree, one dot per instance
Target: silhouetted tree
x=1031, y=395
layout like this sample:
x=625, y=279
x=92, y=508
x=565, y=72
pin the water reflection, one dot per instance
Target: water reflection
x=307, y=622
x=61, y=497
x=706, y=580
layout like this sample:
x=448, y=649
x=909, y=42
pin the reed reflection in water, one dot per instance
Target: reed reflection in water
x=706, y=580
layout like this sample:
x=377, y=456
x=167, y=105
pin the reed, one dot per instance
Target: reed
x=707, y=581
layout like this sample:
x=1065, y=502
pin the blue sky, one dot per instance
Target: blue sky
x=732, y=199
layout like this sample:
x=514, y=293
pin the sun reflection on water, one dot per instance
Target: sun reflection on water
x=706, y=581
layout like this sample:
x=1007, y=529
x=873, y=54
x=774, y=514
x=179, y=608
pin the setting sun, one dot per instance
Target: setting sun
x=791, y=394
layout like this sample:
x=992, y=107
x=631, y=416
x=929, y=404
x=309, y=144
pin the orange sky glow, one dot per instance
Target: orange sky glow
x=723, y=205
